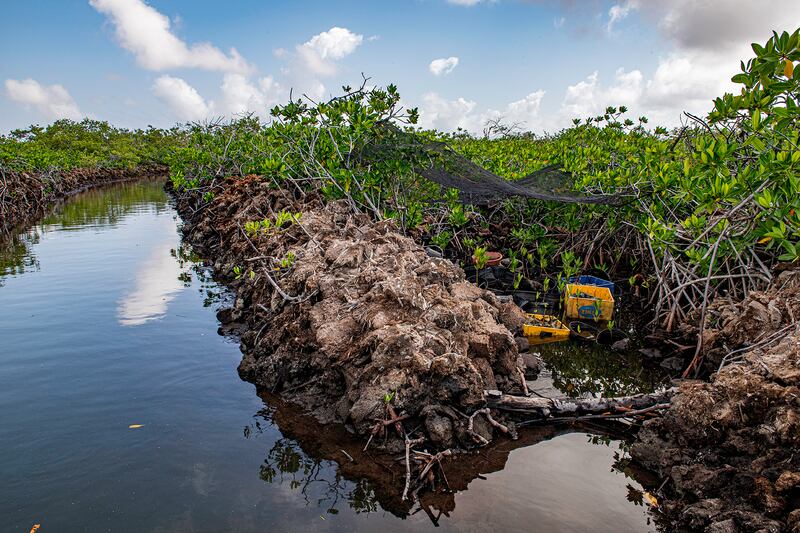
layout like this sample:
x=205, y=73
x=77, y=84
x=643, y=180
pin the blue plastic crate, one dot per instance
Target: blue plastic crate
x=591, y=280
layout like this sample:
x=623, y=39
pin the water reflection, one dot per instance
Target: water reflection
x=562, y=477
x=575, y=369
x=15, y=255
x=304, y=460
x=188, y=261
x=327, y=467
x=105, y=207
x=317, y=481
x=99, y=208
x=158, y=281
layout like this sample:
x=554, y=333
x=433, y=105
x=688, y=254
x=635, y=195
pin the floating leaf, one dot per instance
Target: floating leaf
x=35, y=528
x=649, y=498
x=135, y=426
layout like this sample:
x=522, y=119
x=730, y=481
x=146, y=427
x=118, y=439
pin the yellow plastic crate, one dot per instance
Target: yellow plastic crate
x=538, y=341
x=588, y=302
x=544, y=327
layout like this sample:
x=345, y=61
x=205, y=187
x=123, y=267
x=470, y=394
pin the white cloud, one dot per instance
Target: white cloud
x=241, y=95
x=443, y=65
x=145, y=32
x=321, y=51
x=589, y=97
x=525, y=111
x=675, y=86
x=467, y=3
x=182, y=99
x=52, y=101
x=705, y=42
x=721, y=24
x=709, y=39
x=618, y=12
x=689, y=78
x=449, y=115
x=314, y=59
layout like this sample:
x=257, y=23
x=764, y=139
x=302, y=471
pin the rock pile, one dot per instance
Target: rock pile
x=346, y=317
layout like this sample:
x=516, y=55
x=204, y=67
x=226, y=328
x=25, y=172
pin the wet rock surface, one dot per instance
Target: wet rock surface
x=343, y=314
x=729, y=449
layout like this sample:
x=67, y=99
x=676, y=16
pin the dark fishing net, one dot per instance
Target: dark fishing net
x=479, y=186
x=439, y=163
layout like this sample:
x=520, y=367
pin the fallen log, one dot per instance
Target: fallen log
x=574, y=407
x=627, y=413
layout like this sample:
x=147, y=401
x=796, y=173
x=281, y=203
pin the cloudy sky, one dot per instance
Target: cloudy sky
x=462, y=62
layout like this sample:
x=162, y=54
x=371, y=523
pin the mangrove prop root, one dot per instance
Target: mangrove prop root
x=393, y=419
x=487, y=413
x=523, y=382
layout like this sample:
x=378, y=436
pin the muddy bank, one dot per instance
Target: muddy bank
x=25, y=196
x=352, y=321
x=727, y=450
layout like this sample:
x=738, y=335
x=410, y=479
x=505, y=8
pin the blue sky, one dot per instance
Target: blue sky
x=537, y=62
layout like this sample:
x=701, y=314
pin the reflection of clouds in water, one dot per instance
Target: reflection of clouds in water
x=202, y=479
x=157, y=284
x=576, y=488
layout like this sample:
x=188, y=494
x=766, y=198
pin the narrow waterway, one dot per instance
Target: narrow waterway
x=121, y=409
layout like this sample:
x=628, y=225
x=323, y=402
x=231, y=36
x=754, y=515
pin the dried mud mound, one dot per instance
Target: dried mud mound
x=730, y=449
x=343, y=313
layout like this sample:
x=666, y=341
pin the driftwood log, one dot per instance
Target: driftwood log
x=576, y=407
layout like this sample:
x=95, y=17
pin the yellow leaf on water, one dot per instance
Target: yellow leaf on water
x=135, y=426
x=649, y=498
x=788, y=69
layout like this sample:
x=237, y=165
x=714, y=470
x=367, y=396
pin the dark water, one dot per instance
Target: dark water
x=106, y=322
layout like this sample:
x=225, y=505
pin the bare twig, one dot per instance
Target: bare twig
x=410, y=443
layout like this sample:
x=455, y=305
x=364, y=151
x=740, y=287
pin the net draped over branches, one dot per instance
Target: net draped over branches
x=440, y=164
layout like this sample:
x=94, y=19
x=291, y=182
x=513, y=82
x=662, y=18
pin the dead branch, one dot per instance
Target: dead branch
x=409, y=444
x=550, y=407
